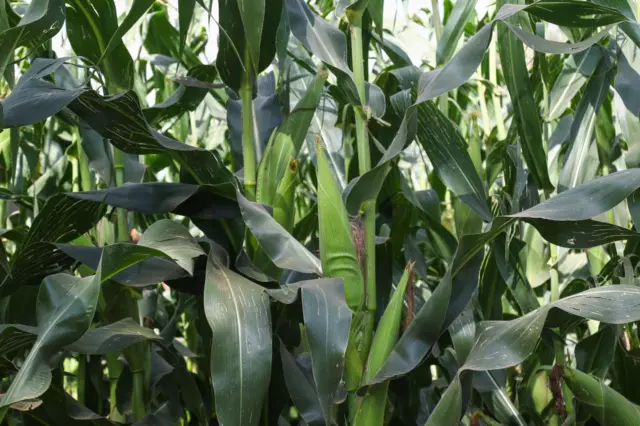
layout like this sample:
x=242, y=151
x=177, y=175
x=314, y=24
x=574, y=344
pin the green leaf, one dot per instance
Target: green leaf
x=164, y=39
x=137, y=11
x=580, y=165
x=577, y=14
x=252, y=13
x=287, y=140
x=605, y=404
x=195, y=201
x=462, y=66
x=329, y=44
x=238, y=313
x=42, y=20
x=65, y=308
x=281, y=247
x=90, y=27
x=376, y=10
x=525, y=111
x=112, y=338
x=447, y=151
x=61, y=219
x=373, y=405
x=174, y=240
x=503, y=344
x=185, y=15
x=187, y=96
x=435, y=316
x=444, y=306
x=327, y=320
x=231, y=44
x=246, y=24
x=453, y=29
x=171, y=239
x=581, y=234
x=301, y=388
x=575, y=72
x=594, y=354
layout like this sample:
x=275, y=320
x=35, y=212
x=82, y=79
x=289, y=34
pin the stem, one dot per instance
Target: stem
x=122, y=228
x=115, y=368
x=86, y=183
x=364, y=165
x=81, y=379
x=248, y=143
x=137, y=400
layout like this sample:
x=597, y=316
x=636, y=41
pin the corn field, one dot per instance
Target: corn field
x=319, y=212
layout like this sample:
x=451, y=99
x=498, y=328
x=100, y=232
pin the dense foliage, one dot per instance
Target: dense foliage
x=311, y=228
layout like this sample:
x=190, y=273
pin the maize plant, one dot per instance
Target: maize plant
x=319, y=212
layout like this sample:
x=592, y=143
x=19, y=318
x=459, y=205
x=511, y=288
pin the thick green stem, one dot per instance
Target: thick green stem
x=86, y=183
x=248, y=143
x=122, y=228
x=139, y=389
x=364, y=165
x=115, y=368
x=81, y=379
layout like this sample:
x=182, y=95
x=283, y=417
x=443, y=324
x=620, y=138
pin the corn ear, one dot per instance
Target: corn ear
x=337, y=252
x=286, y=141
x=283, y=208
x=606, y=405
x=372, y=409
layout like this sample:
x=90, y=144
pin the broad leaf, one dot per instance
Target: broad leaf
x=281, y=247
x=239, y=316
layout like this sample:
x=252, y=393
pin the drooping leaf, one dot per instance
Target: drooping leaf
x=186, y=97
x=238, y=314
x=112, y=337
x=41, y=21
x=301, y=388
x=195, y=201
x=445, y=305
x=327, y=320
x=65, y=309
x=502, y=344
x=281, y=247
